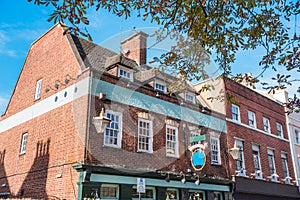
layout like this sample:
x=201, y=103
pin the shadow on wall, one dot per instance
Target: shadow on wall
x=34, y=185
x=4, y=187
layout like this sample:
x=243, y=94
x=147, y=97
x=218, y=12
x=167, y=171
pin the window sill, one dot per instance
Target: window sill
x=112, y=146
x=216, y=164
x=172, y=156
x=22, y=153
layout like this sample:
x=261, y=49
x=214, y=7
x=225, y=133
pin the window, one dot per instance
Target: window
x=284, y=165
x=190, y=97
x=271, y=161
x=297, y=140
x=279, y=129
x=38, y=89
x=218, y=196
x=266, y=125
x=256, y=161
x=240, y=162
x=160, y=86
x=113, y=132
x=196, y=194
x=194, y=134
x=124, y=73
x=109, y=191
x=145, y=135
x=172, y=141
x=215, y=150
x=235, y=112
x=172, y=194
x=251, y=119
x=24, y=143
x=148, y=195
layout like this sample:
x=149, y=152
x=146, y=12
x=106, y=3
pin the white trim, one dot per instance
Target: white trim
x=128, y=71
x=255, y=129
x=24, y=143
x=175, y=154
x=150, y=150
x=38, y=89
x=162, y=83
x=119, y=138
x=46, y=105
x=219, y=150
x=254, y=118
x=238, y=113
x=267, y=120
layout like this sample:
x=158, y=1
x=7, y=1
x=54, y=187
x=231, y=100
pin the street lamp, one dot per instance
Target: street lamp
x=100, y=122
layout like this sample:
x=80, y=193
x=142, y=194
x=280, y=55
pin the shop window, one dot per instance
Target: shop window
x=235, y=113
x=218, y=196
x=172, y=194
x=145, y=135
x=109, y=192
x=196, y=195
x=172, y=141
x=148, y=195
x=113, y=132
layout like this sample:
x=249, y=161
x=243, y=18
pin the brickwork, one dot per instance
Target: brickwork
x=249, y=100
x=56, y=138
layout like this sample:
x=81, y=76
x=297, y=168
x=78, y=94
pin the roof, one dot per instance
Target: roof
x=122, y=60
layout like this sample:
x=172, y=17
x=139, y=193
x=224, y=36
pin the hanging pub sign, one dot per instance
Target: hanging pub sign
x=198, y=157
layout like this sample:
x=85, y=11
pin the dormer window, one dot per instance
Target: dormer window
x=189, y=97
x=125, y=73
x=158, y=85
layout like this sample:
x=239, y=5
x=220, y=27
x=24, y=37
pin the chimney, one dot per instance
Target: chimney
x=135, y=47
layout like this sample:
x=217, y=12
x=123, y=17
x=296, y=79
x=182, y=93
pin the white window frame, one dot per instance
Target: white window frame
x=279, y=129
x=251, y=118
x=189, y=97
x=150, y=137
x=24, y=143
x=160, y=83
x=38, y=89
x=109, y=114
x=168, y=141
x=125, y=71
x=242, y=170
x=258, y=171
x=110, y=198
x=297, y=136
x=285, y=164
x=272, y=154
x=147, y=188
x=215, y=147
x=177, y=193
x=266, y=123
x=233, y=114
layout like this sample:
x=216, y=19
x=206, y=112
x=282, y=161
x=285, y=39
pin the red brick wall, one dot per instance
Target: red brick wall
x=49, y=58
x=262, y=106
x=56, y=139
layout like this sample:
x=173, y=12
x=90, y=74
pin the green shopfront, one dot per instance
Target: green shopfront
x=111, y=184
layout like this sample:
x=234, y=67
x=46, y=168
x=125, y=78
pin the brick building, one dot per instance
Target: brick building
x=50, y=148
x=256, y=125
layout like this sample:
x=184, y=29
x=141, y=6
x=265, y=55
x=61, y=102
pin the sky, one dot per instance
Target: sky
x=21, y=23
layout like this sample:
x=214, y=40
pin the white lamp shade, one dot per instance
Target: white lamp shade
x=101, y=122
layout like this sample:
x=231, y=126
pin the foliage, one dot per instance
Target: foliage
x=220, y=26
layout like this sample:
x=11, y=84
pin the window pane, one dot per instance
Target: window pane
x=112, y=133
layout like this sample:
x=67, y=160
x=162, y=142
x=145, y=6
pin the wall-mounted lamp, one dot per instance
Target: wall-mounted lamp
x=101, y=122
x=57, y=84
x=235, y=152
x=157, y=94
x=197, y=182
x=183, y=180
x=68, y=79
x=167, y=179
x=48, y=88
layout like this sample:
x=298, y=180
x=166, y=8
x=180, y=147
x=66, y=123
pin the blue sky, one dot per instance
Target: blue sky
x=21, y=23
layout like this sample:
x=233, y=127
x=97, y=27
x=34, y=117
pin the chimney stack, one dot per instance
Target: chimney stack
x=135, y=47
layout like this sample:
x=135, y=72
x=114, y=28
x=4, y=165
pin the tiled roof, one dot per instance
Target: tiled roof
x=122, y=60
x=93, y=55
